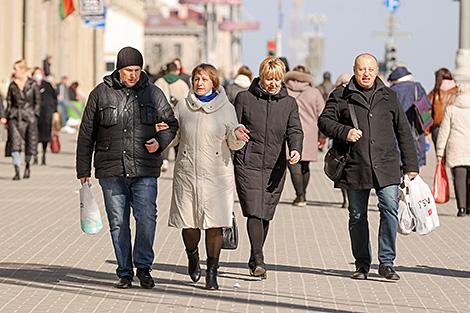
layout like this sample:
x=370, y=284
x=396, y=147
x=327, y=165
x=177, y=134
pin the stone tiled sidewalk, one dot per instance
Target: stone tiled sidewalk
x=48, y=265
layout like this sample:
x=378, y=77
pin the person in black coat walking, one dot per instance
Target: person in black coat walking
x=118, y=127
x=24, y=105
x=373, y=162
x=48, y=111
x=272, y=118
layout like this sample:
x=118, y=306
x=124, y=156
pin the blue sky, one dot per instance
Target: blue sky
x=434, y=25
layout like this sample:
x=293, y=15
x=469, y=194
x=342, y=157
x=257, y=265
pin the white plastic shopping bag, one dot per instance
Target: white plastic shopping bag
x=90, y=217
x=406, y=219
x=422, y=206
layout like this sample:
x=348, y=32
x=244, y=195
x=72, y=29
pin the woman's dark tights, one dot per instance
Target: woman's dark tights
x=300, y=174
x=257, y=231
x=191, y=237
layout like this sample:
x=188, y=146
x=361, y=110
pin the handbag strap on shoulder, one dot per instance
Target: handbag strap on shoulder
x=353, y=115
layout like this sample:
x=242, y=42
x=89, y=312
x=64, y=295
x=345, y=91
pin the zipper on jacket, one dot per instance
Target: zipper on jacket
x=264, y=150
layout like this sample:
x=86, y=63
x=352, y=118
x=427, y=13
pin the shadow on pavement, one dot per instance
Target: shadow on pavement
x=99, y=284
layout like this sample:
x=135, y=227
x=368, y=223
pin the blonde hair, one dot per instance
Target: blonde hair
x=272, y=66
x=211, y=71
x=22, y=64
x=464, y=89
x=343, y=78
x=302, y=69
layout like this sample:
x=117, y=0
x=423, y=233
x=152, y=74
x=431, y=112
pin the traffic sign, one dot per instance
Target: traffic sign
x=392, y=5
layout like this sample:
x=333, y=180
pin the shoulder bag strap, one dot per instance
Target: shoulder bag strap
x=353, y=115
x=355, y=123
x=297, y=97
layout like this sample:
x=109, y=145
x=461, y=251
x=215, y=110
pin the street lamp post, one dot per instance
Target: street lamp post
x=462, y=61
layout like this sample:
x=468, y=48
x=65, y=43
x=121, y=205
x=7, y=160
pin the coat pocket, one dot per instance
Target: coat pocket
x=108, y=115
x=148, y=113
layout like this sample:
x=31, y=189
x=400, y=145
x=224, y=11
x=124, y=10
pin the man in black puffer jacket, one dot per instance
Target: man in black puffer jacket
x=118, y=125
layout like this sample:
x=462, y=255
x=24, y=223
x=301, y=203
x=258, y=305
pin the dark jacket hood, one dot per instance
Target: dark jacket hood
x=260, y=93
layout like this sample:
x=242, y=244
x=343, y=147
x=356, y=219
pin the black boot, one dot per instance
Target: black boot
x=461, y=212
x=27, y=171
x=211, y=273
x=43, y=159
x=17, y=173
x=194, y=269
x=259, y=268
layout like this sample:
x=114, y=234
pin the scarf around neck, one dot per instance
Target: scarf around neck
x=207, y=97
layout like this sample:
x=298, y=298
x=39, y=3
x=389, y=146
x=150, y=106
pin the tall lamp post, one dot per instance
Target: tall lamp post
x=462, y=61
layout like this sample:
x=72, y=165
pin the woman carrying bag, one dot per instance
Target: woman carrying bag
x=452, y=141
x=204, y=183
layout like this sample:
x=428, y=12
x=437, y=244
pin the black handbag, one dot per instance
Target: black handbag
x=335, y=162
x=230, y=235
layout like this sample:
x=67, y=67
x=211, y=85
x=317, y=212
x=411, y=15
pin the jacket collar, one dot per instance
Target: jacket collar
x=114, y=81
x=258, y=92
x=352, y=91
x=209, y=107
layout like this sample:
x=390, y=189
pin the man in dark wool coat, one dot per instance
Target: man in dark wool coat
x=373, y=161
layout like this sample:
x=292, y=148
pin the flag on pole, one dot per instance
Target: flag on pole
x=66, y=8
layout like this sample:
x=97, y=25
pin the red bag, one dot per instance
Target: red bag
x=440, y=187
x=55, y=143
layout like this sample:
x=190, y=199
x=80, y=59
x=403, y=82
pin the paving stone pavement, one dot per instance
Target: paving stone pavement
x=48, y=265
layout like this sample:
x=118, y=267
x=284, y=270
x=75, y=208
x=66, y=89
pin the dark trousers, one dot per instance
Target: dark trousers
x=461, y=176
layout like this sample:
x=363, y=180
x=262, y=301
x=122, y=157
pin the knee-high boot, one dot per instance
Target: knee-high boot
x=211, y=273
x=27, y=171
x=17, y=173
x=194, y=269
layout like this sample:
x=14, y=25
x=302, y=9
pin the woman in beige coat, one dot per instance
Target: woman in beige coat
x=299, y=83
x=453, y=141
x=204, y=182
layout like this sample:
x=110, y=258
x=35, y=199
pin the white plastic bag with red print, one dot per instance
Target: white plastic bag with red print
x=422, y=205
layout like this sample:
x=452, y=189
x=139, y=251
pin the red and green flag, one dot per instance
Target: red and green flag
x=66, y=8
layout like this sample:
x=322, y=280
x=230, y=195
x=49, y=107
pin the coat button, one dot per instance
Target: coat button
x=375, y=166
x=125, y=130
x=372, y=141
x=370, y=114
x=127, y=175
x=124, y=151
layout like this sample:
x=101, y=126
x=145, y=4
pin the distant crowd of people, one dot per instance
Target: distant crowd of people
x=32, y=104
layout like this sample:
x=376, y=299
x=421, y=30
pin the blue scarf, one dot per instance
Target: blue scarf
x=207, y=97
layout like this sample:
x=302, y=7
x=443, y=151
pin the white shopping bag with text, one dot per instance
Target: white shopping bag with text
x=422, y=205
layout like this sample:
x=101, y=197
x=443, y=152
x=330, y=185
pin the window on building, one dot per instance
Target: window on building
x=157, y=52
x=178, y=50
x=109, y=66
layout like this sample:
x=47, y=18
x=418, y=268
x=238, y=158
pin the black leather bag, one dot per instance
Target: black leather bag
x=230, y=235
x=335, y=162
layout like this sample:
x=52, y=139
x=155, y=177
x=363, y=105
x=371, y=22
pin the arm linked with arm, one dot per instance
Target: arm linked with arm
x=165, y=114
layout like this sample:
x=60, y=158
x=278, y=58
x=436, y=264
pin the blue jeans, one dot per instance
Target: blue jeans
x=63, y=110
x=120, y=194
x=359, y=225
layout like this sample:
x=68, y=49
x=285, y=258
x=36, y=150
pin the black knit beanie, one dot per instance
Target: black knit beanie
x=129, y=56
